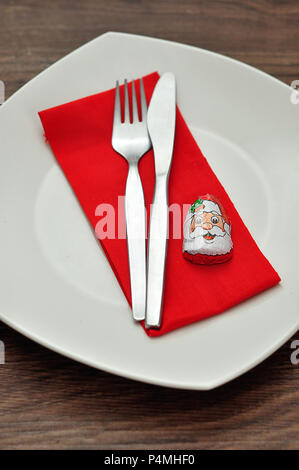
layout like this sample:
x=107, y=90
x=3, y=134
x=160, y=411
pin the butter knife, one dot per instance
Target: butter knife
x=161, y=126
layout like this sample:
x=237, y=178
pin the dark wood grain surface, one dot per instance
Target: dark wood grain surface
x=48, y=401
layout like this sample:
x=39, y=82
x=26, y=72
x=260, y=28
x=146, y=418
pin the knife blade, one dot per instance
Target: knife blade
x=161, y=120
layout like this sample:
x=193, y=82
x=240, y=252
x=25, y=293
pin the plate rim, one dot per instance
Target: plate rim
x=151, y=38
x=157, y=382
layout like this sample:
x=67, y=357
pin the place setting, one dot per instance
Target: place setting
x=149, y=204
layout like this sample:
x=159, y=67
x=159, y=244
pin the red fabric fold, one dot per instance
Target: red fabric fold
x=80, y=137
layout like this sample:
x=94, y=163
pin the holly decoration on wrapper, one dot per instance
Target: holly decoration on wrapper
x=207, y=232
x=196, y=205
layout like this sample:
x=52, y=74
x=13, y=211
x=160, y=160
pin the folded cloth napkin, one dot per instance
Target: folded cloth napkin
x=79, y=134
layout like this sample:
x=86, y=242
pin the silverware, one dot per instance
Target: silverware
x=131, y=140
x=161, y=126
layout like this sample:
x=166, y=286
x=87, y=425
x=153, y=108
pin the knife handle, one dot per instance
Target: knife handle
x=136, y=236
x=157, y=253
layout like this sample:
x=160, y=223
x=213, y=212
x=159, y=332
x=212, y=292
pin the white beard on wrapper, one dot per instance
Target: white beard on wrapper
x=195, y=243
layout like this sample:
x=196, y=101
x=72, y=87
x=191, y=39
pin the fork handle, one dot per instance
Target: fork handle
x=157, y=249
x=136, y=235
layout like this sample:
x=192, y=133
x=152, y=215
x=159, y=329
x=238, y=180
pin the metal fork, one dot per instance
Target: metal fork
x=131, y=140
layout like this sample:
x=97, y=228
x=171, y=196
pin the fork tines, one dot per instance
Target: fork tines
x=135, y=113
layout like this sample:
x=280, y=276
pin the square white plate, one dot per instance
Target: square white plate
x=56, y=284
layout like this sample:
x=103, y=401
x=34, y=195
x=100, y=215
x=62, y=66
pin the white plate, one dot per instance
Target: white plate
x=56, y=285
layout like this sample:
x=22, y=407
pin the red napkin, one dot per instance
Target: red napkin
x=80, y=137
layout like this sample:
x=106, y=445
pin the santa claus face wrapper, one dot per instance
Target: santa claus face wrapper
x=207, y=232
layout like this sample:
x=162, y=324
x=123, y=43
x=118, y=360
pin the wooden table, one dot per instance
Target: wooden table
x=47, y=401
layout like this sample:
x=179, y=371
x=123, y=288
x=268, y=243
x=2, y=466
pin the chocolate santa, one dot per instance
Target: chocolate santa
x=207, y=232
